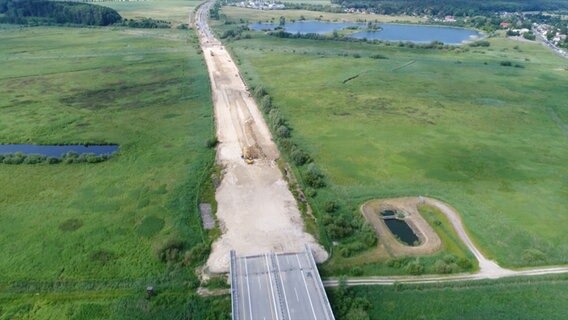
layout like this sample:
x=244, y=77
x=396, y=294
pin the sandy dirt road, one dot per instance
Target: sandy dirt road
x=255, y=207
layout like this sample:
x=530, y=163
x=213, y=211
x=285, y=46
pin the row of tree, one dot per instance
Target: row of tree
x=339, y=222
x=55, y=12
x=452, y=7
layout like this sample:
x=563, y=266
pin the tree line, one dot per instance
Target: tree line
x=452, y=7
x=55, y=12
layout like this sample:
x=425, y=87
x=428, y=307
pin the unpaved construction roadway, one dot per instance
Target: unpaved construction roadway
x=255, y=208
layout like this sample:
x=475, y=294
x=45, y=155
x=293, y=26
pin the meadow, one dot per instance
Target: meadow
x=82, y=241
x=174, y=11
x=252, y=16
x=523, y=298
x=481, y=128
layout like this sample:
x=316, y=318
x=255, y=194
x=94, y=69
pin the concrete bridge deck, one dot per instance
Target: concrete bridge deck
x=277, y=286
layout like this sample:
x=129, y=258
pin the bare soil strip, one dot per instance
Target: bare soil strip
x=255, y=208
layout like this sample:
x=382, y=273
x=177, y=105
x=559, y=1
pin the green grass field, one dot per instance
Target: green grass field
x=523, y=298
x=253, y=15
x=455, y=125
x=175, y=11
x=79, y=238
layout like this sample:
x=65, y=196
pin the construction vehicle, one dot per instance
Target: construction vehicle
x=247, y=156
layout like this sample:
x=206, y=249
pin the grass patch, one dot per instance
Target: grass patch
x=516, y=298
x=88, y=239
x=443, y=227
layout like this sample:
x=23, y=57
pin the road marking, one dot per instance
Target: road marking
x=259, y=285
x=271, y=288
x=248, y=288
x=283, y=289
x=296, y=292
x=306, y=287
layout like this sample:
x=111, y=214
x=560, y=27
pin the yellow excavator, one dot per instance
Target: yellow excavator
x=247, y=156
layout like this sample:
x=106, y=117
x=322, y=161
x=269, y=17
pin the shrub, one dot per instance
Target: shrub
x=330, y=206
x=310, y=192
x=211, y=142
x=415, y=268
x=356, y=271
x=481, y=43
x=314, y=178
x=34, y=159
x=275, y=118
x=299, y=157
x=286, y=144
x=266, y=103
x=198, y=253
x=506, y=63
x=338, y=227
x=378, y=56
x=259, y=92
x=465, y=263
x=368, y=236
x=283, y=132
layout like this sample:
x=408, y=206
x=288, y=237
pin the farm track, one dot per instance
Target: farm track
x=488, y=269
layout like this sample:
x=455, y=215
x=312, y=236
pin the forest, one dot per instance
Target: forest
x=452, y=7
x=42, y=12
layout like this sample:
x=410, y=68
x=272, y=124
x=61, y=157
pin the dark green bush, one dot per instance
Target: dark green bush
x=299, y=157
x=313, y=177
x=330, y=206
x=283, y=132
x=211, y=142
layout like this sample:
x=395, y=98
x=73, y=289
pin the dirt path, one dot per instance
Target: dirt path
x=255, y=208
x=488, y=269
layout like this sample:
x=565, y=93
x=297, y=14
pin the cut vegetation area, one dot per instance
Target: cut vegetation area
x=83, y=241
x=470, y=125
x=521, y=298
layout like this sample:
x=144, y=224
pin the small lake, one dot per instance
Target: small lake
x=388, y=32
x=402, y=231
x=399, y=228
x=419, y=34
x=57, y=151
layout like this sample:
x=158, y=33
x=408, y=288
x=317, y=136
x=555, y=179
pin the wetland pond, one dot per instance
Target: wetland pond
x=388, y=31
x=57, y=151
x=399, y=228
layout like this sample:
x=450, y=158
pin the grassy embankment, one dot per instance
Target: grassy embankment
x=457, y=125
x=522, y=298
x=82, y=241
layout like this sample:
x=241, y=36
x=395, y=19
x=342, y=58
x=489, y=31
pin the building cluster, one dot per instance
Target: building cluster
x=358, y=10
x=261, y=5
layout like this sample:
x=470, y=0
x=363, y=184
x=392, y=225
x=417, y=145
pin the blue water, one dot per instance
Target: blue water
x=389, y=31
x=418, y=34
x=402, y=230
x=57, y=151
x=304, y=27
